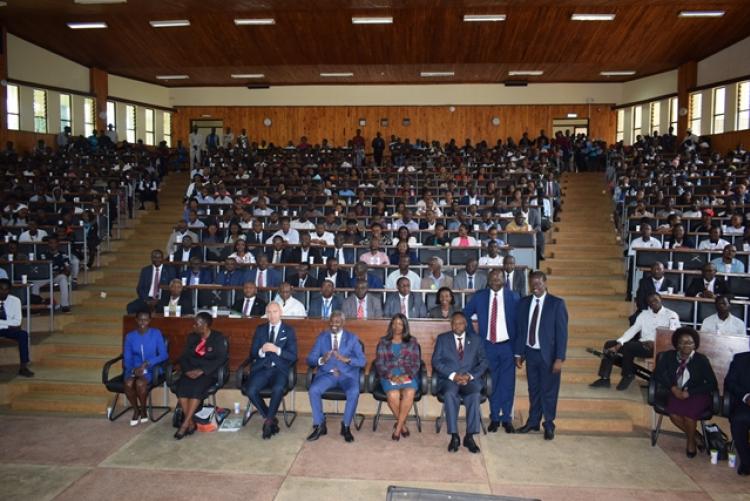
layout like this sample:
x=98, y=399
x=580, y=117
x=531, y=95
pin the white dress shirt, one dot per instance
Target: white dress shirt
x=392, y=279
x=13, y=314
x=491, y=261
x=291, y=238
x=501, y=329
x=731, y=326
x=292, y=308
x=327, y=237
x=154, y=271
x=248, y=258
x=456, y=338
x=709, y=245
x=639, y=243
x=533, y=304
x=26, y=236
x=647, y=322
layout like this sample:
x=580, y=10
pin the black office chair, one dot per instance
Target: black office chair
x=241, y=380
x=376, y=388
x=173, y=374
x=483, y=395
x=658, y=396
x=116, y=385
x=336, y=394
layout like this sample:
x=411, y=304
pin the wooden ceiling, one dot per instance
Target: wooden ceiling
x=311, y=37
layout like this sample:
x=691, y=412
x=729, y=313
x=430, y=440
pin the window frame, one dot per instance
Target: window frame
x=637, y=128
x=89, y=118
x=695, y=105
x=715, y=101
x=167, y=128
x=69, y=121
x=743, y=113
x=150, y=119
x=130, y=115
x=41, y=126
x=17, y=107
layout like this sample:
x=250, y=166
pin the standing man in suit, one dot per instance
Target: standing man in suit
x=405, y=302
x=177, y=297
x=459, y=361
x=657, y=282
x=149, y=283
x=273, y=351
x=361, y=305
x=321, y=306
x=495, y=309
x=541, y=342
x=470, y=278
x=338, y=356
x=737, y=384
x=249, y=304
x=514, y=279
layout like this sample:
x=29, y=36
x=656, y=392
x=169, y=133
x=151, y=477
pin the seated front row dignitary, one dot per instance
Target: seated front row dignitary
x=690, y=379
x=177, y=296
x=10, y=325
x=737, y=384
x=206, y=350
x=149, y=283
x=273, y=351
x=249, y=304
x=143, y=351
x=338, y=356
x=459, y=361
x=397, y=363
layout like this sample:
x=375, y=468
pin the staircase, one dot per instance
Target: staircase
x=585, y=267
x=68, y=363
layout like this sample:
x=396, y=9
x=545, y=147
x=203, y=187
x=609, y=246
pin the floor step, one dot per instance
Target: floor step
x=55, y=402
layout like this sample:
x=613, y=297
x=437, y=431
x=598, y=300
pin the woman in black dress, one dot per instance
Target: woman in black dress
x=205, y=352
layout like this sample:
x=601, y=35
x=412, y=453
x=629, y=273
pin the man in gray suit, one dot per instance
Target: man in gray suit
x=470, y=277
x=514, y=278
x=405, y=301
x=534, y=218
x=362, y=305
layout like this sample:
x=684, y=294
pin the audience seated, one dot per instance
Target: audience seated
x=249, y=304
x=404, y=301
x=10, y=325
x=322, y=305
x=362, y=305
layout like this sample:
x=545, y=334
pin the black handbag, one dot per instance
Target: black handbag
x=717, y=440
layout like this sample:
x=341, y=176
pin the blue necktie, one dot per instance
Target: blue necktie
x=326, y=309
x=471, y=282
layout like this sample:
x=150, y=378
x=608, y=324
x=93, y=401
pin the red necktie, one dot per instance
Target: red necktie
x=460, y=349
x=246, y=311
x=157, y=279
x=361, y=309
x=493, y=319
x=261, y=278
x=403, y=306
x=200, y=349
x=532, y=327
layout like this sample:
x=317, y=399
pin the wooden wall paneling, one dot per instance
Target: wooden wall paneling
x=687, y=77
x=728, y=141
x=100, y=89
x=25, y=141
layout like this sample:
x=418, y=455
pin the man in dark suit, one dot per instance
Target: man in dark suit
x=302, y=278
x=196, y=275
x=305, y=252
x=332, y=272
x=708, y=285
x=361, y=305
x=541, y=342
x=514, y=279
x=459, y=361
x=230, y=275
x=321, y=306
x=656, y=282
x=361, y=273
x=737, y=384
x=249, y=304
x=405, y=301
x=257, y=235
x=273, y=351
x=185, y=251
x=491, y=306
x=343, y=255
x=149, y=283
x=277, y=254
x=263, y=276
x=177, y=297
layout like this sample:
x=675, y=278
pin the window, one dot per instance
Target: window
x=66, y=117
x=130, y=123
x=673, y=113
x=620, y=134
x=149, y=127
x=743, y=105
x=111, y=114
x=696, y=102
x=719, y=105
x=167, y=132
x=89, y=112
x=13, y=107
x=655, y=117
x=637, y=122
x=40, y=111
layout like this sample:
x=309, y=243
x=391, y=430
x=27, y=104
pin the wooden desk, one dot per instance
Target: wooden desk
x=240, y=332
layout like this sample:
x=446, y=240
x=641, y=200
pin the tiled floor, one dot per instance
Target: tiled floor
x=77, y=458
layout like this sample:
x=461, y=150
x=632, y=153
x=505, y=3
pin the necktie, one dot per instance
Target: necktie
x=493, y=319
x=532, y=327
x=246, y=309
x=460, y=349
x=403, y=306
x=335, y=342
x=326, y=308
x=272, y=335
x=361, y=309
x=157, y=279
x=276, y=257
x=471, y=282
x=3, y=315
x=262, y=278
x=681, y=370
x=337, y=256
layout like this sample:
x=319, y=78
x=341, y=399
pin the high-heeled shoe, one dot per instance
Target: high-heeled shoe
x=395, y=436
x=405, y=432
x=191, y=430
x=178, y=435
x=690, y=454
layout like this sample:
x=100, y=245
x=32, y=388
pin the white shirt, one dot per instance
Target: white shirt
x=647, y=322
x=26, y=236
x=491, y=261
x=404, y=300
x=291, y=238
x=185, y=255
x=732, y=326
x=299, y=225
x=327, y=236
x=12, y=307
x=709, y=286
x=501, y=329
x=639, y=243
x=709, y=245
x=246, y=259
x=154, y=272
x=533, y=304
x=392, y=279
x=292, y=307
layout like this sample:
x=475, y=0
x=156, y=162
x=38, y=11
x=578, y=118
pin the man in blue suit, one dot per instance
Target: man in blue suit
x=263, y=276
x=273, y=351
x=324, y=304
x=149, y=283
x=495, y=309
x=459, y=361
x=196, y=275
x=541, y=342
x=231, y=275
x=338, y=356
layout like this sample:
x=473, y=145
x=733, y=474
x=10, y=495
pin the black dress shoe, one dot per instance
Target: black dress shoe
x=178, y=435
x=549, y=433
x=318, y=431
x=691, y=454
x=346, y=431
x=470, y=444
x=455, y=443
x=494, y=426
x=527, y=428
x=624, y=383
x=600, y=383
x=267, y=430
x=25, y=372
x=743, y=471
x=508, y=427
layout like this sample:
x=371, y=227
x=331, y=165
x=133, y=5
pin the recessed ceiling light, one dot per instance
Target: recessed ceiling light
x=486, y=18
x=265, y=21
x=701, y=13
x=427, y=74
x=341, y=74
x=622, y=73
x=248, y=75
x=372, y=20
x=530, y=73
x=172, y=77
x=592, y=17
x=169, y=23
x=87, y=26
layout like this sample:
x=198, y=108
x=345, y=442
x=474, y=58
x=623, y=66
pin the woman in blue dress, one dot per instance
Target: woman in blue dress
x=144, y=349
x=397, y=362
